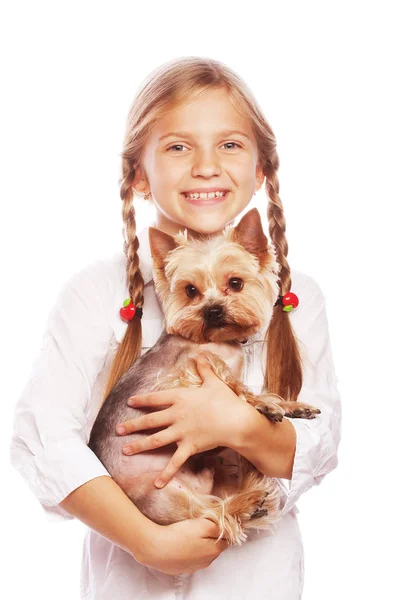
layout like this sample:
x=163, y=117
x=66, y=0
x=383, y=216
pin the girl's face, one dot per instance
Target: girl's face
x=202, y=144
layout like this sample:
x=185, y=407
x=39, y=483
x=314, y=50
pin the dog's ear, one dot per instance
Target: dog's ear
x=160, y=244
x=249, y=234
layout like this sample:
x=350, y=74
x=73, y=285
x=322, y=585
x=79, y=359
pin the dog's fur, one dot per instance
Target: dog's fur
x=213, y=320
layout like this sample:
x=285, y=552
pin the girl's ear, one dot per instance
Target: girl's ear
x=259, y=177
x=140, y=182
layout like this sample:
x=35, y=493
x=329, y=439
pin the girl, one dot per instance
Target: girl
x=194, y=128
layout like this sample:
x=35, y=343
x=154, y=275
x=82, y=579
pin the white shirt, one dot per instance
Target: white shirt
x=58, y=406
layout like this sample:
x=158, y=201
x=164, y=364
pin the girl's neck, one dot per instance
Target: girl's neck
x=172, y=228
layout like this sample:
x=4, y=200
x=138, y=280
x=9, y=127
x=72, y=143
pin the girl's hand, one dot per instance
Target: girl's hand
x=198, y=419
x=182, y=547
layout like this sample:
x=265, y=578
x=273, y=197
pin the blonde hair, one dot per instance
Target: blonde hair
x=170, y=85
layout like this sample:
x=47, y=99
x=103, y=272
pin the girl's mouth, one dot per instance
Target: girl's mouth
x=205, y=199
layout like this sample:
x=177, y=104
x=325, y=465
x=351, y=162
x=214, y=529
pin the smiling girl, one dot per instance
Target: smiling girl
x=198, y=147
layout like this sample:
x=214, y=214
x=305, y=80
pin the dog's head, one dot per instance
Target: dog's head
x=216, y=289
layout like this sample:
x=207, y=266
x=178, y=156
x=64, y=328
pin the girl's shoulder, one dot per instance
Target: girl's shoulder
x=305, y=286
x=113, y=269
x=311, y=306
x=107, y=274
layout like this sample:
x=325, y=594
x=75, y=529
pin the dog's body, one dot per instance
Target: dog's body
x=136, y=474
x=220, y=485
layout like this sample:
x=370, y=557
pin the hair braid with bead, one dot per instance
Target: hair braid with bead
x=130, y=347
x=283, y=374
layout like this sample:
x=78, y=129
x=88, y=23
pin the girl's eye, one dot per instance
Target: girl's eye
x=234, y=143
x=175, y=146
x=191, y=291
x=236, y=284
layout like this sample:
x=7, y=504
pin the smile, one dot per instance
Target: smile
x=205, y=199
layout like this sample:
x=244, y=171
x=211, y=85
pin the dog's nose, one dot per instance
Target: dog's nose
x=214, y=314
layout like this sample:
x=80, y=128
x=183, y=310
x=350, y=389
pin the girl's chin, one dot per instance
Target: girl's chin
x=206, y=224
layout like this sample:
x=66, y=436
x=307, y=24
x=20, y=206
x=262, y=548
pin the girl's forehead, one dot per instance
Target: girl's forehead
x=211, y=110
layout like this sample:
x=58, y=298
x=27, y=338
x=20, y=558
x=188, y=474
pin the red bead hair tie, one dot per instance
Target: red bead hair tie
x=288, y=301
x=129, y=310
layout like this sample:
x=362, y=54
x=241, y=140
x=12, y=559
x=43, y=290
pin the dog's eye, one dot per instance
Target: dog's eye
x=191, y=291
x=236, y=284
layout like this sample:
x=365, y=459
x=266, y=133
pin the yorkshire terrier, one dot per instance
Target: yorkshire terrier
x=215, y=292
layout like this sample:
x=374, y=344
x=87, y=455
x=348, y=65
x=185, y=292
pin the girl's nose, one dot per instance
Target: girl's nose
x=206, y=163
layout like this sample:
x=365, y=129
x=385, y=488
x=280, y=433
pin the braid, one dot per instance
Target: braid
x=131, y=243
x=283, y=374
x=130, y=348
x=277, y=225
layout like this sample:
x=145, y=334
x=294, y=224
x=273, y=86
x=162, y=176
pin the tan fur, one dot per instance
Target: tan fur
x=211, y=262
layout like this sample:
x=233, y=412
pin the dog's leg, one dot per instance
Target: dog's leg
x=272, y=405
x=267, y=406
x=299, y=410
x=255, y=504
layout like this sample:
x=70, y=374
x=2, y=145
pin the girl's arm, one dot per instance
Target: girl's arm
x=52, y=426
x=182, y=547
x=270, y=447
x=52, y=416
x=104, y=507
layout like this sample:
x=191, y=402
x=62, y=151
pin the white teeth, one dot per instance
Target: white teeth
x=205, y=195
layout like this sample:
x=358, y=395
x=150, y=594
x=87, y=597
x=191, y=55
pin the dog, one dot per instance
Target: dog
x=215, y=292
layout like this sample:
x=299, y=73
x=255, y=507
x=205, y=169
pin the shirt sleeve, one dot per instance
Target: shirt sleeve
x=317, y=440
x=49, y=442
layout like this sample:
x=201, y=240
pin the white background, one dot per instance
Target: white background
x=326, y=75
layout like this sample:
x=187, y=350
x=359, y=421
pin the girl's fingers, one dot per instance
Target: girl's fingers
x=161, y=438
x=163, y=398
x=179, y=458
x=205, y=370
x=160, y=418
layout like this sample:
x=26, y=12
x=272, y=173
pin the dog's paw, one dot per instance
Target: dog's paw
x=301, y=411
x=272, y=412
